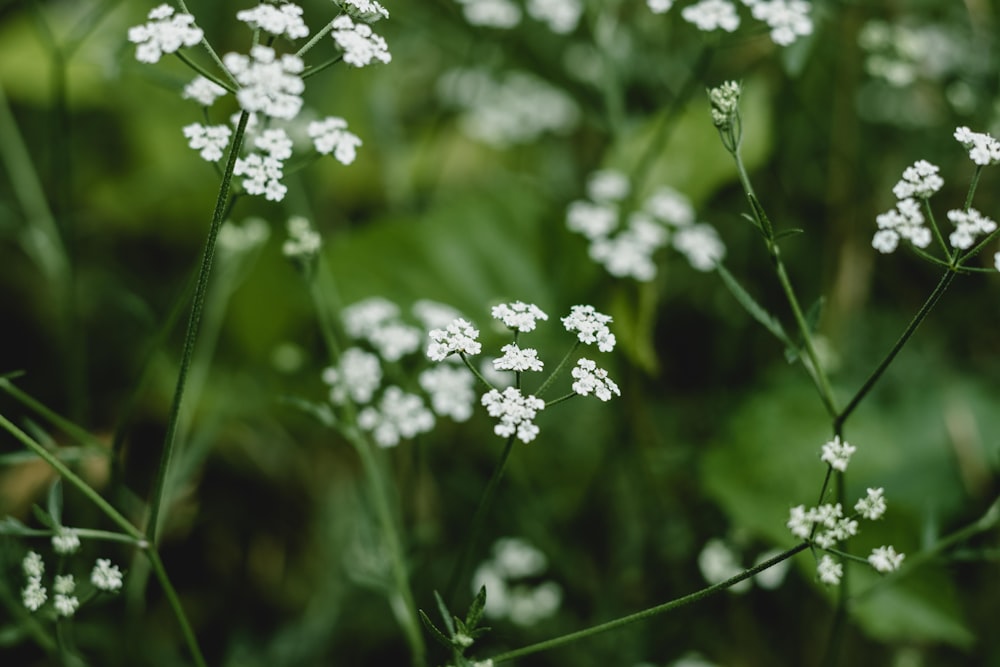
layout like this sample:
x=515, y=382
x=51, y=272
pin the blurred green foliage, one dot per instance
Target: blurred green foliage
x=273, y=544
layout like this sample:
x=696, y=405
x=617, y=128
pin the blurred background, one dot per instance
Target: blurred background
x=476, y=139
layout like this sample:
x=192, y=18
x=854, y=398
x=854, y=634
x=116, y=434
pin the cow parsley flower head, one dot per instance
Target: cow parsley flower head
x=701, y=245
x=872, y=506
x=34, y=594
x=368, y=11
x=203, y=91
x=906, y=221
x=829, y=570
x=837, y=453
x=608, y=185
x=518, y=315
x=459, y=336
x=165, y=32
x=282, y=20
x=590, y=327
x=209, y=140
x=268, y=84
x=983, y=148
x=561, y=16
x=788, y=19
x=921, y=180
x=105, y=576
x=330, y=135
x=517, y=359
x=303, y=241
x=593, y=380
x=263, y=176
x=65, y=541
x=711, y=15
x=515, y=412
x=968, y=226
x=399, y=415
x=491, y=13
x=357, y=375
x=659, y=6
x=361, y=46
x=885, y=559
x=33, y=565
x=451, y=390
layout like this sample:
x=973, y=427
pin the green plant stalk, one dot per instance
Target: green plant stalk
x=648, y=613
x=407, y=615
x=62, y=423
x=191, y=335
x=175, y=603
x=835, y=641
x=816, y=371
x=921, y=315
x=478, y=521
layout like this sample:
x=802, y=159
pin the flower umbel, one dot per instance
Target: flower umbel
x=165, y=32
x=515, y=412
x=459, y=336
x=837, y=453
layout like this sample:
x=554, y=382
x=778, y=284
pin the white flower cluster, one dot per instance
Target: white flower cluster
x=901, y=53
x=284, y=20
x=458, y=337
x=968, y=226
x=560, y=16
x=515, y=413
x=983, y=148
x=266, y=83
x=519, y=316
x=665, y=217
x=508, y=576
x=165, y=32
x=361, y=46
x=827, y=524
x=104, y=577
x=787, y=19
x=590, y=327
x=515, y=108
x=921, y=180
x=591, y=379
x=907, y=221
x=396, y=414
x=303, y=241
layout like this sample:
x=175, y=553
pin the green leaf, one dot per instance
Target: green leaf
x=795, y=231
x=751, y=306
x=445, y=614
x=476, y=609
x=759, y=213
x=55, y=501
x=431, y=628
x=43, y=517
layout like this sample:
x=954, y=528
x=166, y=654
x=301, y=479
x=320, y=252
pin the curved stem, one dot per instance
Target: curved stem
x=175, y=604
x=191, y=335
x=925, y=309
x=648, y=613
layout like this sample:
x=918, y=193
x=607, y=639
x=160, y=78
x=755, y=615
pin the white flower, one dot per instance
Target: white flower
x=284, y=20
x=872, y=506
x=837, y=453
x=829, y=570
x=701, y=245
x=66, y=605
x=65, y=541
x=459, y=336
x=518, y=315
x=235, y=238
x=529, y=605
x=711, y=15
x=838, y=531
x=210, y=140
x=491, y=13
x=303, y=241
x=885, y=241
x=33, y=565
x=593, y=380
x=885, y=559
x=625, y=255
x=659, y=6
x=718, y=562
x=275, y=142
x=399, y=415
x=515, y=412
x=800, y=522
x=591, y=327
x=920, y=180
x=968, y=225
x=203, y=91
x=357, y=375
x=434, y=315
x=395, y=340
x=594, y=221
x=516, y=558
x=983, y=148
x=34, y=594
x=105, y=576
x=330, y=135
x=905, y=221
x=517, y=359
x=561, y=16
x=366, y=10
x=366, y=316
x=451, y=390
x=165, y=32
x=996, y=261
x=269, y=84
x=608, y=185
x=788, y=19
x=670, y=206
x=360, y=45
x=64, y=584
x=263, y=176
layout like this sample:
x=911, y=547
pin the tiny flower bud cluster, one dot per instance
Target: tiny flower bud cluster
x=511, y=576
x=165, y=32
x=361, y=46
x=983, y=148
x=906, y=221
x=837, y=453
x=104, y=577
x=787, y=19
x=285, y=20
x=725, y=101
x=968, y=226
x=628, y=252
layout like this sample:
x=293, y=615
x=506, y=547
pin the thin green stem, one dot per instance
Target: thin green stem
x=648, y=613
x=205, y=73
x=316, y=69
x=405, y=608
x=558, y=369
x=208, y=48
x=175, y=603
x=478, y=522
x=314, y=40
x=925, y=310
x=68, y=427
x=191, y=336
